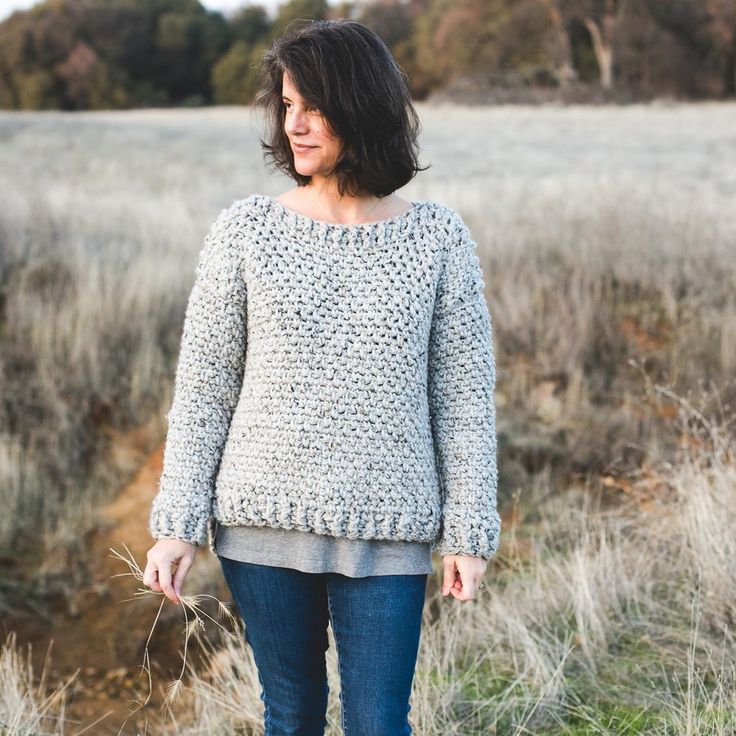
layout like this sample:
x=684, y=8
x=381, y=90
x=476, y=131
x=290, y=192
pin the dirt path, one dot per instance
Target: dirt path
x=104, y=635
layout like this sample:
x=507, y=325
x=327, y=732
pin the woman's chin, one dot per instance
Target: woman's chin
x=304, y=170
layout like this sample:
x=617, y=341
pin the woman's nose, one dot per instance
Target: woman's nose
x=296, y=121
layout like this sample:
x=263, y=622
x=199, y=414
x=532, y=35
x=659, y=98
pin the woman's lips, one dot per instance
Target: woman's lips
x=302, y=149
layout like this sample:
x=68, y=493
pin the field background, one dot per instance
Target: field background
x=608, y=241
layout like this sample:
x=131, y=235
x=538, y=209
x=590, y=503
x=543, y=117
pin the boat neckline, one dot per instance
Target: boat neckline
x=299, y=217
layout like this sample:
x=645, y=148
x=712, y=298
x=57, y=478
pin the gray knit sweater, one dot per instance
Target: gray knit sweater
x=336, y=379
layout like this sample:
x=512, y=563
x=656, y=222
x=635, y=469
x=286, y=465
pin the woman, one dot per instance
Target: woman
x=333, y=418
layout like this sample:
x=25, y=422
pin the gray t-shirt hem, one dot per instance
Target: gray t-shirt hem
x=319, y=553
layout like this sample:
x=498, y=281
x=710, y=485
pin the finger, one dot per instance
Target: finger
x=462, y=597
x=164, y=579
x=150, y=576
x=464, y=593
x=448, y=568
x=155, y=585
x=464, y=589
x=181, y=572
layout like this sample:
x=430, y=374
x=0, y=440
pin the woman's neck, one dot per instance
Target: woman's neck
x=323, y=197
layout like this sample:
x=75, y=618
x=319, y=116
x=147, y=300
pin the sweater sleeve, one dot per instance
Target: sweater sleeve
x=207, y=386
x=461, y=381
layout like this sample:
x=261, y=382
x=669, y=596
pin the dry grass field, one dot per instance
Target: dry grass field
x=608, y=241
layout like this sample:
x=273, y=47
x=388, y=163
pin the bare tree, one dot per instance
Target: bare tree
x=600, y=18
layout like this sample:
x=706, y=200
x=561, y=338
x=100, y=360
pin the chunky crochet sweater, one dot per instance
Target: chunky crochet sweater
x=336, y=379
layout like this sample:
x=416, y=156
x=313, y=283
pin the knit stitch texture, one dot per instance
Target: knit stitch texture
x=336, y=379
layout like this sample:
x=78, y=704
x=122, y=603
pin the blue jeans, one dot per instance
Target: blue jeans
x=376, y=622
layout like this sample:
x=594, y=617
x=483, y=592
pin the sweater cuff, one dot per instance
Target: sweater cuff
x=458, y=537
x=172, y=519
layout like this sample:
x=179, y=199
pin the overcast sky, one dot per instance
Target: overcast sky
x=225, y=6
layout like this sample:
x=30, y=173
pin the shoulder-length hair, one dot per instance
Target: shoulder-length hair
x=344, y=69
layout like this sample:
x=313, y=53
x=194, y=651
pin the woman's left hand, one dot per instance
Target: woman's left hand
x=463, y=575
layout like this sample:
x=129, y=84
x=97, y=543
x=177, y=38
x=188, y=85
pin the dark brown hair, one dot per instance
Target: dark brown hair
x=343, y=68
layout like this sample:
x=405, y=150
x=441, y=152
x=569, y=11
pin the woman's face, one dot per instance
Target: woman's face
x=305, y=125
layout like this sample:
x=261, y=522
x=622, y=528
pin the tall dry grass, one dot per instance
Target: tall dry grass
x=607, y=237
x=614, y=619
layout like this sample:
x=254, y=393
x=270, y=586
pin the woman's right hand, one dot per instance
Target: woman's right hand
x=164, y=554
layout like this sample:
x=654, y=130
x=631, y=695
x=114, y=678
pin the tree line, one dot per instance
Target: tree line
x=101, y=54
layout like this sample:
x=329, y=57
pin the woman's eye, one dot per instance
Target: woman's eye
x=307, y=108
